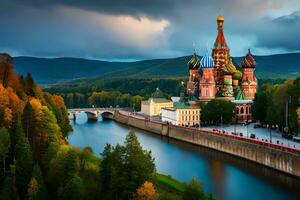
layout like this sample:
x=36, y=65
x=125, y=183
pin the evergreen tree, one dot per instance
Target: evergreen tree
x=4, y=146
x=24, y=163
x=72, y=190
x=29, y=85
x=32, y=190
x=28, y=119
x=193, y=191
x=42, y=190
x=8, y=190
x=138, y=164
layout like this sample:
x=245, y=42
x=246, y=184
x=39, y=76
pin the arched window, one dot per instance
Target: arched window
x=237, y=110
x=242, y=110
x=247, y=110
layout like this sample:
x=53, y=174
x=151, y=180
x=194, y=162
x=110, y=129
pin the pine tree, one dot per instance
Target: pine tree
x=42, y=190
x=72, y=190
x=28, y=119
x=24, y=163
x=32, y=190
x=138, y=164
x=8, y=190
x=193, y=191
x=4, y=146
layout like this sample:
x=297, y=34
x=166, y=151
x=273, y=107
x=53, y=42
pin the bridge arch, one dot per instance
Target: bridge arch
x=92, y=113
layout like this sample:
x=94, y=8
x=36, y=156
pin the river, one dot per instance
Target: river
x=225, y=176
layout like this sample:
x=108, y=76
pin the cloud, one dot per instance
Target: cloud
x=135, y=29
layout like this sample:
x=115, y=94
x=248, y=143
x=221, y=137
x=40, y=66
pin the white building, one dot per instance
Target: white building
x=181, y=114
x=153, y=106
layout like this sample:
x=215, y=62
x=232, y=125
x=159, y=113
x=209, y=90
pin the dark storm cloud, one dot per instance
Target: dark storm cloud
x=153, y=28
x=281, y=32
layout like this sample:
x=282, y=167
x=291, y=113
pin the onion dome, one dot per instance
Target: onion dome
x=220, y=18
x=207, y=61
x=194, y=62
x=249, y=61
x=237, y=75
x=229, y=68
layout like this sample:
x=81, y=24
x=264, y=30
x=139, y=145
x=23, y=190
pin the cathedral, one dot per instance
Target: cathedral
x=215, y=76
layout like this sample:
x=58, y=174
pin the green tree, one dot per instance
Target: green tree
x=72, y=190
x=125, y=168
x=217, y=111
x=24, y=163
x=4, y=146
x=8, y=190
x=28, y=119
x=84, y=155
x=32, y=190
x=193, y=191
x=38, y=176
x=138, y=164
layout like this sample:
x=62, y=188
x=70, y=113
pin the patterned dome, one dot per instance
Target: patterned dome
x=207, y=61
x=249, y=61
x=194, y=63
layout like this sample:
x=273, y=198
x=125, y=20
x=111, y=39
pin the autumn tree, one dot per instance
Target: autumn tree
x=146, y=192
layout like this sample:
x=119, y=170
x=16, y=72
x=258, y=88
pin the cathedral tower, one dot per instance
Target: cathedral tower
x=207, y=81
x=220, y=54
x=249, y=81
x=193, y=84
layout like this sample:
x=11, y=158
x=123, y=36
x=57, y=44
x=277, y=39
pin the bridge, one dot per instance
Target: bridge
x=92, y=113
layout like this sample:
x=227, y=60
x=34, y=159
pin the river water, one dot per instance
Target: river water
x=225, y=176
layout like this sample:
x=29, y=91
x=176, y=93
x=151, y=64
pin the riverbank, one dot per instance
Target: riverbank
x=283, y=159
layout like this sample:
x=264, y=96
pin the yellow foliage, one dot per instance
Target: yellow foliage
x=36, y=104
x=146, y=192
x=7, y=118
x=4, y=100
x=16, y=104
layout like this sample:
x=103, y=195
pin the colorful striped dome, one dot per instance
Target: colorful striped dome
x=194, y=63
x=249, y=61
x=207, y=61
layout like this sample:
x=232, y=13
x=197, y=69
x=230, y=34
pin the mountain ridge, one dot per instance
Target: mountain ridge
x=67, y=69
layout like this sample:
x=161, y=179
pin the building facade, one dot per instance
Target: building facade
x=182, y=115
x=153, y=106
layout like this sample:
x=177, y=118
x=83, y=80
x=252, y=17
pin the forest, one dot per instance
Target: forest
x=278, y=105
x=38, y=163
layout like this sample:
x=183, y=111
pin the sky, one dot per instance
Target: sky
x=146, y=29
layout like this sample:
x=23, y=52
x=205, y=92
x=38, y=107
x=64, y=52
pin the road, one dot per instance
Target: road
x=260, y=133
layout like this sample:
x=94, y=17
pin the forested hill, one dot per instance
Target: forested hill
x=58, y=70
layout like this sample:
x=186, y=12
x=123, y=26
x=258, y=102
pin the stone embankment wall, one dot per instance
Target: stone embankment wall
x=280, y=158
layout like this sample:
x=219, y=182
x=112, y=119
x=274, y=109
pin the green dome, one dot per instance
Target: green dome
x=194, y=63
x=237, y=75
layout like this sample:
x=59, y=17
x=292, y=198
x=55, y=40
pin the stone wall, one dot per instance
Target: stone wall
x=277, y=159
